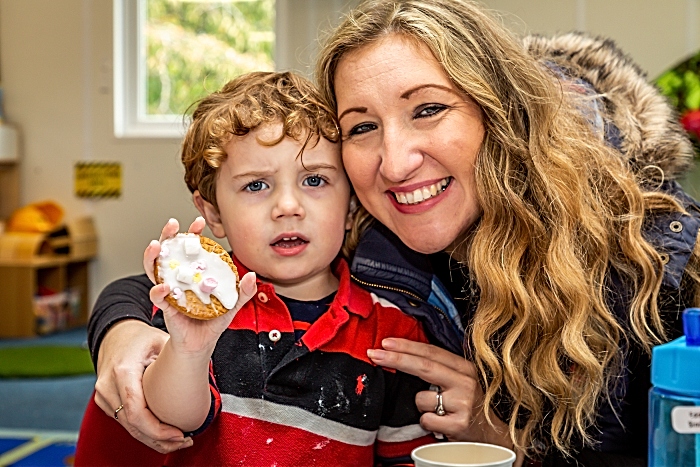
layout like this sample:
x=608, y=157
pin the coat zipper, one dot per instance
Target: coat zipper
x=399, y=290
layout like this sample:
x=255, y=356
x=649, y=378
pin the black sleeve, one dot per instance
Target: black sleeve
x=125, y=298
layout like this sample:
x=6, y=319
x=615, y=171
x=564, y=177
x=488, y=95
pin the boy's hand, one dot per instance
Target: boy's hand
x=191, y=336
x=195, y=336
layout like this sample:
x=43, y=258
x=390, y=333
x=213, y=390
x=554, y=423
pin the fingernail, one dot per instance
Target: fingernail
x=172, y=219
x=250, y=288
x=199, y=218
x=153, y=243
x=376, y=354
x=389, y=344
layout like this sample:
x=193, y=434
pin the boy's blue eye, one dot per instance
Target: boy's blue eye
x=257, y=185
x=314, y=180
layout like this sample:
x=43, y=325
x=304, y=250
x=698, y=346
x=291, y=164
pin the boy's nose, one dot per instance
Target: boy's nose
x=288, y=204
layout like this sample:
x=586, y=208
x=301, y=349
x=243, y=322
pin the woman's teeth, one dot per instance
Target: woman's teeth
x=424, y=193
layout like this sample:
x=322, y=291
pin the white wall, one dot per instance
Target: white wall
x=655, y=33
x=55, y=66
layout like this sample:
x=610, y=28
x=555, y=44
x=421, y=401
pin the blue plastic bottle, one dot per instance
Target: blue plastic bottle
x=674, y=399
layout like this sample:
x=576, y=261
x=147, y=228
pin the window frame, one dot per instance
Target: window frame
x=130, y=119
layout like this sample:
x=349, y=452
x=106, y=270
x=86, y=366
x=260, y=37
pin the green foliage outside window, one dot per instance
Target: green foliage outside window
x=681, y=85
x=195, y=46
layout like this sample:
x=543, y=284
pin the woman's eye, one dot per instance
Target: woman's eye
x=362, y=128
x=257, y=185
x=430, y=110
x=314, y=180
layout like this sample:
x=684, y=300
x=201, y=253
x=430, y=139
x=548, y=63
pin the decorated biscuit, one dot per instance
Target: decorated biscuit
x=202, y=277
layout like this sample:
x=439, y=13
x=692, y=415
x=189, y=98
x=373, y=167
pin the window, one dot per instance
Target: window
x=169, y=53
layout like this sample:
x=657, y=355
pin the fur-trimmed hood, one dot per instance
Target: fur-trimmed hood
x=651, y=136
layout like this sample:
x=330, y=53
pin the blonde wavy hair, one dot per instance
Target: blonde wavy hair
x=560, y=209
x=241, y=106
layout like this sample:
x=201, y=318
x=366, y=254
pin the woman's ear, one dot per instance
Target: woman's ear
x=210, y=214
x=351, y=212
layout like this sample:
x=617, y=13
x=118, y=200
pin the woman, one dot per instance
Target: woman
x=538, y=181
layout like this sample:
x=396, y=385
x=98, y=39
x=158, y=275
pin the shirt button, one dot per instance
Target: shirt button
x=275, y=335
x=262, y=297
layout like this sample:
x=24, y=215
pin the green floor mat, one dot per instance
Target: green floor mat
x=44, y=361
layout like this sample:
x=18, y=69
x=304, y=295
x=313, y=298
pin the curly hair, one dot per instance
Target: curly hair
x=241, y=106
x=560, y=210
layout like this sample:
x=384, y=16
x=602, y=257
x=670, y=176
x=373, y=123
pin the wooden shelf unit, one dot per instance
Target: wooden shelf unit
x=21, y=282
x=29, y=265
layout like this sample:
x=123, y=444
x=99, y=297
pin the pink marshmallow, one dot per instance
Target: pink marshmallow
x=208, y=285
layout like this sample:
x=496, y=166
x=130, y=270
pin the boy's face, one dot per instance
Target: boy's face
x=284, y=220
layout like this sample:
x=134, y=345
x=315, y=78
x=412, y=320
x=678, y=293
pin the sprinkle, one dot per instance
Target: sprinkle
x=174, y=264
x=197, y=278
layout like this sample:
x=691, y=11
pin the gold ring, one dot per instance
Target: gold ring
x=116, y=412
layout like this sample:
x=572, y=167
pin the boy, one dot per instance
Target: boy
x=289, y=380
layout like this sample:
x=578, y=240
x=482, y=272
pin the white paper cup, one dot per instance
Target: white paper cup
x=462, y=455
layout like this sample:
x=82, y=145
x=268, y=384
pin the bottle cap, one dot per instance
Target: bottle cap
x=691, y=326
x=675, y=366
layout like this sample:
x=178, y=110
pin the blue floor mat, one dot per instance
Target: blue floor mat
x=37, y=449
x=29, y=408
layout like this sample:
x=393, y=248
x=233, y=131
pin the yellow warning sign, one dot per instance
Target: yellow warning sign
x=98, y=179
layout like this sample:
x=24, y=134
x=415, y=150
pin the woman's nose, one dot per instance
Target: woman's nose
x=288, y=203
x=400, y=156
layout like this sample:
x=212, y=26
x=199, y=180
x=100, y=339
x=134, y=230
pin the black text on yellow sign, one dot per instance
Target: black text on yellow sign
x=98, y=179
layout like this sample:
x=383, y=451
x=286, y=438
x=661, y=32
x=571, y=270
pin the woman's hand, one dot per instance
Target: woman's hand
x=462, y=396
x=126, y=350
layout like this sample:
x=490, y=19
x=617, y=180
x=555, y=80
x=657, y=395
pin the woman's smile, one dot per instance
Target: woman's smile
x=407, y=195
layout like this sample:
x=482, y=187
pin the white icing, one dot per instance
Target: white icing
x=184, y=267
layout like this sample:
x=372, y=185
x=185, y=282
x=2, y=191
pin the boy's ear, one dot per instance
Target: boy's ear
x=351, y=212
x=210, y=214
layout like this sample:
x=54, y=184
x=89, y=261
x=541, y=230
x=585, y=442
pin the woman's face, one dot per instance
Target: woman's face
x=410, y=141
